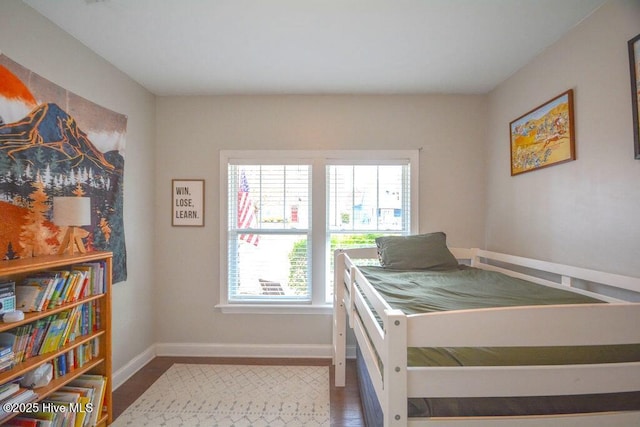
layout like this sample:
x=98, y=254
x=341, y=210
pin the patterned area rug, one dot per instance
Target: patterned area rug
x=193, y=395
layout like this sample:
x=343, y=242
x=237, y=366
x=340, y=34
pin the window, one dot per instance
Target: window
x=269, y=237
x=365, y=202
x=287, y=211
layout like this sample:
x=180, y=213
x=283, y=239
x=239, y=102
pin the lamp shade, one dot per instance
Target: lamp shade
x=72, y=211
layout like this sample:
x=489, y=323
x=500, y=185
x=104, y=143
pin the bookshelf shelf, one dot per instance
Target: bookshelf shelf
x=99, y=363
x=30, y=317
x=35, y=361
x=59, y=382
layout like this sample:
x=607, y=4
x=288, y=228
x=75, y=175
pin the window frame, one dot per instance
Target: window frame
x=318, y=159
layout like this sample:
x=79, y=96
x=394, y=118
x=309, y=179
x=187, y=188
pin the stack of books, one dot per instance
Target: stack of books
x=7, y=356
x=51, y=289
x=98, y=385
x=81, y=403
x=75, y=358
x=52, y=332
x=14, y=398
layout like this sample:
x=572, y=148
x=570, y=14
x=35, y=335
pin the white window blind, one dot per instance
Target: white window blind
x=269, y=235
x=364, y=198
x=365, y=202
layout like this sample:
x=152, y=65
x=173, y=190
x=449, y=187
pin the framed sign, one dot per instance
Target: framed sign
x=187, y=202
x=544, y=136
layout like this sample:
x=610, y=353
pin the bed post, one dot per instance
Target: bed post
x=475, y=259
x=339, y=320
x=395, y=369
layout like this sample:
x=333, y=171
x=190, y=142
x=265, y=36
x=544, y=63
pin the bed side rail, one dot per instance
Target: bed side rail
x=568, y=274
x=528, y=326
x=503, y=381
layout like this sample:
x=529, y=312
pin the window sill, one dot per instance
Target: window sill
x=326, y=309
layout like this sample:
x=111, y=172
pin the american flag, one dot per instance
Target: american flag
x=246, y=211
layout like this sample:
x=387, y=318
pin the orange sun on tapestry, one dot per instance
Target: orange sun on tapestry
x=55, y=143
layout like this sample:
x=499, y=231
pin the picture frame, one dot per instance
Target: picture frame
x=634, y=68
x=187, y=202
x=544, y=136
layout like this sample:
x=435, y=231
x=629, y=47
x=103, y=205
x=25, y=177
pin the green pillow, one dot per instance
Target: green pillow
x=418, y=252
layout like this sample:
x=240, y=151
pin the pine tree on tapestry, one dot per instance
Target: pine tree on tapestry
x=105, y=228
x=35, y=236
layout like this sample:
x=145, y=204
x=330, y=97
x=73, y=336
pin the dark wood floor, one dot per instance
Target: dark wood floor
x=345, y=402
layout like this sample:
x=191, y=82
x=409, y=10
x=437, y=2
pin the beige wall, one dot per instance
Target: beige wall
x=34, y=42
x=191, y=131
x=586, y=212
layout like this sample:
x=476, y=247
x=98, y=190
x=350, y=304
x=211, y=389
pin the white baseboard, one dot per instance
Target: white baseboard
x=243, y=350
x=223, y=350
x=133, y=366
x=351, y=352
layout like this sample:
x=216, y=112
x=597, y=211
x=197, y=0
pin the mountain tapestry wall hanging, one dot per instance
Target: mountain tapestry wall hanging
x=56, y=143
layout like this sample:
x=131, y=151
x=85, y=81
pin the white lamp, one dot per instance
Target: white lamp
x=72, y=212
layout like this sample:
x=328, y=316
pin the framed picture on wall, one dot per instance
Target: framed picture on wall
x=544, y=136
x=187, y=202
x=634, y=62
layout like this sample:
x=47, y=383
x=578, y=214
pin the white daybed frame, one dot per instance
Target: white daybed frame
x=617, y=322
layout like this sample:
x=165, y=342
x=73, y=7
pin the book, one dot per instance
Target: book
x=23, y=334
x=98, y=282
x=63, y=276
x=72, y=282
x=43, y=419
x=83, y=288
x=27, y=296
x=25, y=290
x=53, y=283
x=82, y=415
x=9, y=389
x=7, y=357
x=54, y=332
x=85, y=393
x=35, y=337
x=99, y=385
x=41, y=281
x=22, y=422
x=23, y=395
x=5, y=365
x=7, y=341
x=71, y=360
x=73, y=396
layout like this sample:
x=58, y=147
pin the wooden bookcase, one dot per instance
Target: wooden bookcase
x=16, y=270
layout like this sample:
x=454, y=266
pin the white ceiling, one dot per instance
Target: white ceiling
x=184, y=47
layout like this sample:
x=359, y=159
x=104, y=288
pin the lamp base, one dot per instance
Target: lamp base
x=71, y=241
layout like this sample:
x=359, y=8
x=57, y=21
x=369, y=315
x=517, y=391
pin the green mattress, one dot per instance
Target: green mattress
x=425, y=291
